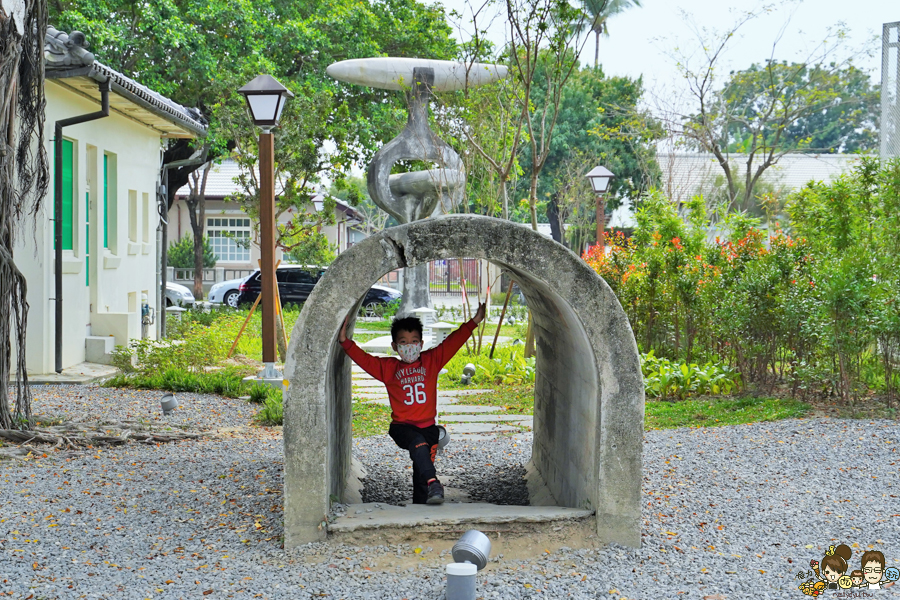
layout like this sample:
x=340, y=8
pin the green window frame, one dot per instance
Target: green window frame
x=68, y=185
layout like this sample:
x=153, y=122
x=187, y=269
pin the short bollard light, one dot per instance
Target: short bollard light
x=168, y=403
x=443, y=437
x=468, y=374
x=471, y=555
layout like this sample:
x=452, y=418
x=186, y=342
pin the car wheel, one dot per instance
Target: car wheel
x=370, y=310
x=231, y=298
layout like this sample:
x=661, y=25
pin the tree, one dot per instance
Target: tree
x=763, y=112
x=24, y=178
x=354, y=191
x=598, y=13
x=598, y=123
x=181, y=254
x=196, y=204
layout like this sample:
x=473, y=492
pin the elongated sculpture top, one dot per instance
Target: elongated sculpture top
x=397, y=73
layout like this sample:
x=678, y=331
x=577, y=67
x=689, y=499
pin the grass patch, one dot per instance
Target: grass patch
x=714, y=412
x=227, y=382
x=370, y=419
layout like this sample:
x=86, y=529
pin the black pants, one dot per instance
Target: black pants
x=421, y=442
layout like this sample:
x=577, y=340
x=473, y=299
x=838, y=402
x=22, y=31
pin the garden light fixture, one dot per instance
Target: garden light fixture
x=265, y=98
x=600, y=178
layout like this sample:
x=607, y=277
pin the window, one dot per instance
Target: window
x=132, y=216
x=110, y=204
x=224, y=235
x=68, y=185
x=145, y=199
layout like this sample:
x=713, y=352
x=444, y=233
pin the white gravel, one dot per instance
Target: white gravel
x=730, y=511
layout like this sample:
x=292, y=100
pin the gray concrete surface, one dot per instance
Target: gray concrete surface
x=416, y=515
x=81, y=373
x=589, y=394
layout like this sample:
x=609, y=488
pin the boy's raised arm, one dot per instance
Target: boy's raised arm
x=450, y=346
x=370, y=364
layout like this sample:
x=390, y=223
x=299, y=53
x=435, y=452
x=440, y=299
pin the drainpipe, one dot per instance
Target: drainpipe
x=57, y=205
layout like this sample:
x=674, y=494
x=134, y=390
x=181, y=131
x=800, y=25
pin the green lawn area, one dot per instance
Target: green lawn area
x=370, y=419
x=696, y=412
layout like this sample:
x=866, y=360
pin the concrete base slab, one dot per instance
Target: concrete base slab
x=367, y=383
x=76, y=374
x=449, y=515
x=277, y=383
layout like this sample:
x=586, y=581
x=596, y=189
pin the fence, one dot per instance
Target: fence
x=890, y=91
x=444, y=276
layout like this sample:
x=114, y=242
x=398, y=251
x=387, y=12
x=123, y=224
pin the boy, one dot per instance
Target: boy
x=872, y=568
x=411, y=384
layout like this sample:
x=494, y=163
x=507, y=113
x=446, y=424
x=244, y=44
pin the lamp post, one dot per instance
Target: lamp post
x=600, y=178
x=265, y=99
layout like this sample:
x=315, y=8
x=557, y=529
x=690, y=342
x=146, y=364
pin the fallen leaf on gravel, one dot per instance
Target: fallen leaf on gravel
x=714, y=597
x=207, y=592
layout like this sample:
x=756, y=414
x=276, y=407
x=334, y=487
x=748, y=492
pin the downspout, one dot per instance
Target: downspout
x=57, y=205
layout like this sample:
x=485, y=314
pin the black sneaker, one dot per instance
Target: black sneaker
x=435, y=493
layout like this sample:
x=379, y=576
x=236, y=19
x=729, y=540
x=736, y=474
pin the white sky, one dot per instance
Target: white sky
x=642, y=39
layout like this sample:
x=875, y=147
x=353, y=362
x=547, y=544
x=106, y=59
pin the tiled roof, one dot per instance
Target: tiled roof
x=67, y=61
x=686, y=174
x=220, y=184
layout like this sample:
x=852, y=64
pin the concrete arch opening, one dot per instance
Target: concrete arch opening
x=589, y=393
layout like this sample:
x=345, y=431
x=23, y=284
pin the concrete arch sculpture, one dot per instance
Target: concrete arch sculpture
x=589, y=393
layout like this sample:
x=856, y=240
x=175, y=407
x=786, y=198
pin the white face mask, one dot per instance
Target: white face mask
x=409, y=353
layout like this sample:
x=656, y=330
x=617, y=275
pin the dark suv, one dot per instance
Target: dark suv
x=296, y=283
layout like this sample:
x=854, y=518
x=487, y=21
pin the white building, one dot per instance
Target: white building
x=226, y=222
x=109, y=176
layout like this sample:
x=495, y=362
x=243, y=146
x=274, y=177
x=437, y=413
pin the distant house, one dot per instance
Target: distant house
x=226, y=222
x=685, y=174
x=110, y=174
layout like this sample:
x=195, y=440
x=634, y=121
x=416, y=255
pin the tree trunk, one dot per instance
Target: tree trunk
x=532, y=201
x=197, y=206
x=597, y=47
x=23, y=184
x=505, y=198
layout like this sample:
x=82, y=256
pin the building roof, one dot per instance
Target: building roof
x=687, y=174
x=220, y=184
x=68, y=63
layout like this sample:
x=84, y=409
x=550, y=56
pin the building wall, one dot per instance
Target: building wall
x=102, y=287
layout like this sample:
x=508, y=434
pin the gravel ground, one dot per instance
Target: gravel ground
x=730, y=512
x=488, y=472
x=91, y=403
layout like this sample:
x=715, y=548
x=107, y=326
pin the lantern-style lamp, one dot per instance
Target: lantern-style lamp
x=266, y=98
x=600, y=178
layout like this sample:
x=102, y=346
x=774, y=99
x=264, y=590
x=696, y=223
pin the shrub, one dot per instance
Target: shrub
x=181, y=254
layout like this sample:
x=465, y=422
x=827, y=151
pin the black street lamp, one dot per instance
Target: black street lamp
x=266, y=98
x=600, y=177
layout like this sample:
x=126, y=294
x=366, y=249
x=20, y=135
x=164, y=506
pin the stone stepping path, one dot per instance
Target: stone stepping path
x=465, y=422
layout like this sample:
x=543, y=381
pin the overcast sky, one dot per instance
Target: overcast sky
x=642, y=40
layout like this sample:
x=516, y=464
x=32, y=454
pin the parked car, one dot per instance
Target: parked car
x=178, y=295
x=226, y=292
x=296, y=283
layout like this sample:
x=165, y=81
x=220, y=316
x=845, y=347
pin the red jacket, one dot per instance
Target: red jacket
x=411, y=387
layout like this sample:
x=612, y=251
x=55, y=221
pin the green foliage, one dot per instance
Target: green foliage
x=227, y=382
x=259, y=393
x=272, y=413
x=507, y=367
x=181, y=254
x=664, y=379
x=716, y=412
x=816, y=309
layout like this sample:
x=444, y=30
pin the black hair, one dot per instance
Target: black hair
x=405, y=324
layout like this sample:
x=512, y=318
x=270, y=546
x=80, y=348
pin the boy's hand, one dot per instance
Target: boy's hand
x=342, y=336
x=479, y=315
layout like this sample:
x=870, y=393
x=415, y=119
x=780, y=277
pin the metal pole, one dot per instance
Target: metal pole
x=601, y=220
x=267, y=246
